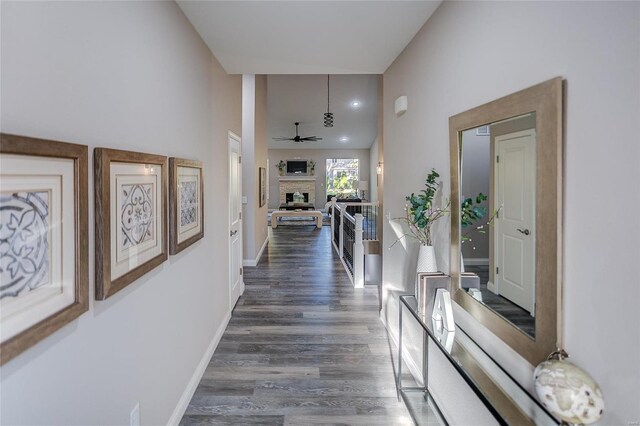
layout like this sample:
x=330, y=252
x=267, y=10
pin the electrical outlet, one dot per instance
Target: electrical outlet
x=134, y=417
x=388, y=215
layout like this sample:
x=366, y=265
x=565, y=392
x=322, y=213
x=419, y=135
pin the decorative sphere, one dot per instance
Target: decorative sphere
x=568, y=392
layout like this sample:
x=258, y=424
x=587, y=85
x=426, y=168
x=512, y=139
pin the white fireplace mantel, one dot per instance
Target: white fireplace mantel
x=297, y=178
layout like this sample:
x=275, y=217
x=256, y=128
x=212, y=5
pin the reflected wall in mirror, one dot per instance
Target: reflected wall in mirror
x=497, y=196
x=506, y=221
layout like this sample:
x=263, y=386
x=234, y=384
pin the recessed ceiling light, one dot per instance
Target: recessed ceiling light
x=344, y=139
x=355, y=104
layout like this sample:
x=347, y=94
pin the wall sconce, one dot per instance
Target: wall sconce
x=379, y=168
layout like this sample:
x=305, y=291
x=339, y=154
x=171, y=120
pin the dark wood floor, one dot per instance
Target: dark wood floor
x=303, y=346
x=521, y=318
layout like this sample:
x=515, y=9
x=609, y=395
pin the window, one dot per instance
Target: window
x=342, y=177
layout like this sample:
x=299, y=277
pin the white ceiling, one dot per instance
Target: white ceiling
x=303, y=98
x=356, y=39
x=307, y=37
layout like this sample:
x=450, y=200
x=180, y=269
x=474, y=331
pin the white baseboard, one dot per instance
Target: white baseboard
x=183, y=403
x=254, y=262
x=492, y=287
x=479, y=261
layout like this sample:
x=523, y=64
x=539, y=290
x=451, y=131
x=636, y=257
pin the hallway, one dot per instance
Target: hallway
x=302, y=347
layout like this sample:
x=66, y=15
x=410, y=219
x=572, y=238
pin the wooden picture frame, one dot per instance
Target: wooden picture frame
x=546, y=100
x=186, y=203
x=44, y=213
x=131, y=217
x=262, y=184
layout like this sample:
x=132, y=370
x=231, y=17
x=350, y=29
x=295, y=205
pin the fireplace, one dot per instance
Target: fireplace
x=290, y=185
x=289, y=197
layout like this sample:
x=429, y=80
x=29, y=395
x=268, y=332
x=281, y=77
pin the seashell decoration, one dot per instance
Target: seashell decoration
x=567, y=390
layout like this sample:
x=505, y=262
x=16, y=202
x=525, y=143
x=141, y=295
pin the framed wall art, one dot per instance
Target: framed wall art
x=43, y=239
x=131, y=217
x=186, y=203
x=263, y=186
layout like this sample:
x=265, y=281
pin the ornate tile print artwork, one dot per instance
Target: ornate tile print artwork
x=188, y=202
x=24, y=242
x=136, y=214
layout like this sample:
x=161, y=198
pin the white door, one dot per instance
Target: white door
x=236, y=283
x=515, y=227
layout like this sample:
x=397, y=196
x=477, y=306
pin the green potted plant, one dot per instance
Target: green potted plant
x=281, y=167
x=420, y=215
x=471, y=212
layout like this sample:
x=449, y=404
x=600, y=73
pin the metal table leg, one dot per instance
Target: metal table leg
x=425, y=366
x=399, y=381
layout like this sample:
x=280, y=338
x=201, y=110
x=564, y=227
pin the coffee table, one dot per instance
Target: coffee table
x=314, y=214
x=297, y=206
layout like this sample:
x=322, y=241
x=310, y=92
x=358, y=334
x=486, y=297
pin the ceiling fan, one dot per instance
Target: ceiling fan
x=297, y=138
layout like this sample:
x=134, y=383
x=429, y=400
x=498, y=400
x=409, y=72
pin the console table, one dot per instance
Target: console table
x=485, y=377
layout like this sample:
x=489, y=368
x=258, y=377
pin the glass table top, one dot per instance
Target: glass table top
x=506, y=399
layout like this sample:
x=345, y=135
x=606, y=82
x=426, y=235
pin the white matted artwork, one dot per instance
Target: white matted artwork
x=262, y=184
x=136, y=225
x=186, y=203
x=189, y=219
x=43, y=263
x=37, y=258
x=130, y=217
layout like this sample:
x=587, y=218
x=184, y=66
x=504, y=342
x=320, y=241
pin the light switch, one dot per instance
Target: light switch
x=244, y=200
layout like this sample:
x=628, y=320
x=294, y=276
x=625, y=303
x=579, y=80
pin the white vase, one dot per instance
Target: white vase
x=426, y=259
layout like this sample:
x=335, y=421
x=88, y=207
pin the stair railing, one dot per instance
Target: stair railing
x=351, y=225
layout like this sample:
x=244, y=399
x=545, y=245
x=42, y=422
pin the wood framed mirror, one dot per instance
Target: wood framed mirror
x=506, y=217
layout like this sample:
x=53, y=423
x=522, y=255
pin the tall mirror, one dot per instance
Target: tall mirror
x=506, y=159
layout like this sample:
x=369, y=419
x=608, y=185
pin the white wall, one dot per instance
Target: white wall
x=261, y=157
x=249, y=173
x=133, y=76
x=476, y=170
x=470, y=53
x=320, y=156
x=254, y=156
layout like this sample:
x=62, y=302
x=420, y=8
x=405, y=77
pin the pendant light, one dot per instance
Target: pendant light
x=328, y=116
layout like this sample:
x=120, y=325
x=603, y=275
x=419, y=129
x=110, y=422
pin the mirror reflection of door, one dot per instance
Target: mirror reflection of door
x=514, y=228
x=498, y=162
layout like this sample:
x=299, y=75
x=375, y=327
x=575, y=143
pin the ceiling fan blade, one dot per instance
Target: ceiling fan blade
x=297, y=138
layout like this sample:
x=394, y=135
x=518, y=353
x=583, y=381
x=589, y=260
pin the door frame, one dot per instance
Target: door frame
x=232, y=136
